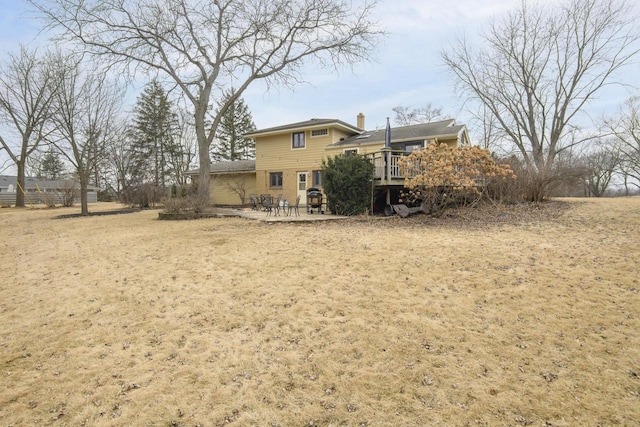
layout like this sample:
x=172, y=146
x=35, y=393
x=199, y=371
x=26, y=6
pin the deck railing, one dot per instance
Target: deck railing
x=388, y=173
x=387, y=166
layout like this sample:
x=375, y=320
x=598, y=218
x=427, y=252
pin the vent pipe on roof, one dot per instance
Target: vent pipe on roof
x=360, y=122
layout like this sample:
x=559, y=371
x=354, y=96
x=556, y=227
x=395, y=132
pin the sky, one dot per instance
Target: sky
x=407, y=69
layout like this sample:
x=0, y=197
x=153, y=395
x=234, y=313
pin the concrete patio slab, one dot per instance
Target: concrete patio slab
x=304, y=216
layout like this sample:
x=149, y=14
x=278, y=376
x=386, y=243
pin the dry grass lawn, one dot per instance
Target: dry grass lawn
x=127, y=320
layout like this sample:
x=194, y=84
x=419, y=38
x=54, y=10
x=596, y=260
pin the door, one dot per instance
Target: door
x=302, y=187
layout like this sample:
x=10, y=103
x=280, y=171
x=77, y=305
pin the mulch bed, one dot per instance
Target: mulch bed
x=101, y=213
x=480, y=216
x=210, y=213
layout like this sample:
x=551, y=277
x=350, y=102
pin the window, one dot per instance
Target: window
x=275, y=180
x=351, y=152
x=317, y=178
x=320, y=132
x=297, y=140
x=410, y=148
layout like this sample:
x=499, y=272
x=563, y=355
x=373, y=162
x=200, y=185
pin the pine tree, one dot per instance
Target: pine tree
x=153, y=135
x=51, y=167
x=231, y=144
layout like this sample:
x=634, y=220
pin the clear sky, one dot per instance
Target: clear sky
x=407, y=70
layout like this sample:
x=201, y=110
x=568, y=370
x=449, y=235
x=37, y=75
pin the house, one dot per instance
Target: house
x=232, y=182
x=289, y=157
x=41, y=190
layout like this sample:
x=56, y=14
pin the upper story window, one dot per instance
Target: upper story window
x=297, y=140
x=320, y=132
x=351, y=152
x=410, y=148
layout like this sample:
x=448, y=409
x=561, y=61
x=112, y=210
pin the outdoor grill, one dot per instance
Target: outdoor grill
x=314, y=200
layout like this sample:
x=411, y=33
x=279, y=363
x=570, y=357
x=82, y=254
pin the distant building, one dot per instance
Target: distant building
x=42, y=191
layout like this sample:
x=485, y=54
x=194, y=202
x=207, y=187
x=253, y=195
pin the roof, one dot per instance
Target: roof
x=308, y=124
x=234, y=166
x=440, y=129
x=31, y=182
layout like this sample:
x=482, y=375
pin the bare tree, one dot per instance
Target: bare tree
x=119, y=165
x=238, y=185
x=601, y=166
x=486, y=129
x=626, y=129
x=84, y=120
x=184, y=162
x=625, y=170
x=408, y=117
x=27, y=86
x=205, y=47
x=540, y=67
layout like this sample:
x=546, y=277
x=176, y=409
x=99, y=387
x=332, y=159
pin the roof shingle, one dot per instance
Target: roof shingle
x=405, y=133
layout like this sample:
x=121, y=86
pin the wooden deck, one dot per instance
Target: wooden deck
x=387, y=168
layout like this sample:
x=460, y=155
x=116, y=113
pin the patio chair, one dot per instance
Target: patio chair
x=267, y=202
x=255, y=202
x=295, y=207
x=276, y=204
x=261, y=200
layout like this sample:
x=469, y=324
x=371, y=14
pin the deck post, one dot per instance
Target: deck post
x=388, y=165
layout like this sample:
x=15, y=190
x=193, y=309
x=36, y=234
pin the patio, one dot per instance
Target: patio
x=262, y=216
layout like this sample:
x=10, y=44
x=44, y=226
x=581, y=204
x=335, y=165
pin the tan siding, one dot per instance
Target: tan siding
x=362, y=149
x=339, y=134
x=221, y=192
x=274, y=153
x=289, y=188
x=450, y=142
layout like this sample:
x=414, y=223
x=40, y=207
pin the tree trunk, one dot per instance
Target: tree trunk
x=203, y=153
x=20, y=184
x=203, y=176
x=84, y=205
x=626, y=185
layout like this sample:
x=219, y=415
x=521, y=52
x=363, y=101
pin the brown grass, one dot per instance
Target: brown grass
x=127, y=320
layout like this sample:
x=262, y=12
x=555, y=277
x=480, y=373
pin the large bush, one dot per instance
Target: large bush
x=347, y=180
x=440, y=176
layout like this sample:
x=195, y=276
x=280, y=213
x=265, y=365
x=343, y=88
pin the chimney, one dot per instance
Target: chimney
x=360, y=121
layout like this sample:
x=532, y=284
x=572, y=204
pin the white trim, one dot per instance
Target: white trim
x=330, y=125
x=326, y=132
x=304, y=135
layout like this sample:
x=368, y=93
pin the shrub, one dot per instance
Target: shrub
x=440, y=176
x=49, y=199
x=192, y=203
x=70, y=192
x=347, y=180
x=508, y=190
x=143, y=195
